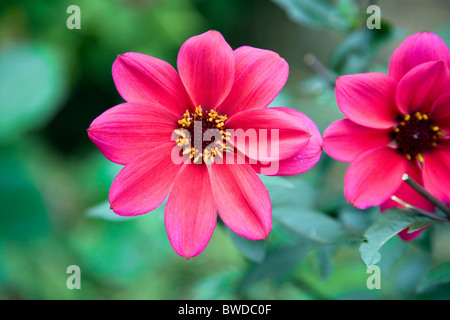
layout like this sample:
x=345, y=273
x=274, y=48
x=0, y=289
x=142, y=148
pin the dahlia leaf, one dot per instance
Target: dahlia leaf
x=32, y=87
x=438, y=275
x=274, y=182
x=253, y=250
x=103, y=211
x=277, y=263
x=388, y=224
x=313, y=225
x=285, y=190
x=324, y=260
x=320, y=14
x=23, y=215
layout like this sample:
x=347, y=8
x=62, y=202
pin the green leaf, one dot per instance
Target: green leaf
x=103, y=211
x=440, y=244
x=295, y=192
x=277, y=263
x=318, y=14
x=23, y=215
x=218, y=286
x=393, y=252
x=313, y=225
x=436, y=276
x=276, y=182
x=126, y=251
x=387, y=225
x=324, y=260
x=409, y=272
x=348, y=10
x=357, y=220
x=357, y=50
x=32, y=85
x=254, y=250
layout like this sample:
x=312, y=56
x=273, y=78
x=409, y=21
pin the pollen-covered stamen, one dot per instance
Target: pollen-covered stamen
x=209, y=119
x=416, y=134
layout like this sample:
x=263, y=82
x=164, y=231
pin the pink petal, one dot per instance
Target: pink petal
x=191, y=213
x=206, y=67
x=260, y=76
x=374, y=177
x=274, y=133
x=345, y=140
x=440, y=113
x=368, y=99
x=436, y=171
x=242, y=200
x=303, y=160
x=143, y=184
x=408, y=194
x=141, y=78
x=420, y=87
x=131, y=129
x=417, y=49
x=408, y=236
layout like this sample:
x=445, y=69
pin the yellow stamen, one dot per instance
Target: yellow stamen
x=408, y=156
x=420, y=157
x=216, y=121
x=198, y=112
x=206, y=155
x=185, y=122
x=179, y=142
x=418, y=116
x=180, y=133
x=187, y=150
x=197, y=157
x=212, y=115
x=186, y=142
x=407, y=117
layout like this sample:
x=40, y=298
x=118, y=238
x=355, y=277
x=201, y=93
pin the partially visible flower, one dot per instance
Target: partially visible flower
x=215, y=89
x=396, y=123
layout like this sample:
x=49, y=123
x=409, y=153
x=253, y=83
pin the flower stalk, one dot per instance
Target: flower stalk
x=315, y=65
x=424, y=193
x=419, y=211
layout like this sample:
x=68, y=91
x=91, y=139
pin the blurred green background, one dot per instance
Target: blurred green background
x=54, y=182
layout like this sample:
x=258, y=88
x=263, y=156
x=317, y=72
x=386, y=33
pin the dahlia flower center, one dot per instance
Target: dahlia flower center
x=416, y=134
x=202, y=134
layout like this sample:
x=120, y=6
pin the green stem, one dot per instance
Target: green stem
x=424, y=193
x=312, y=62
x=419, y=211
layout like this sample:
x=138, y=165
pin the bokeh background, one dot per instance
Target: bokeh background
x=54, y=183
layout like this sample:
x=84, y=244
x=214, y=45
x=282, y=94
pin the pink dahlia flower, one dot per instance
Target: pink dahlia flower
x=396, y=123
x=165, y=116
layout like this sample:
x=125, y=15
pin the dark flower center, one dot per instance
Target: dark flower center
x=415, y=135
x=202, y=134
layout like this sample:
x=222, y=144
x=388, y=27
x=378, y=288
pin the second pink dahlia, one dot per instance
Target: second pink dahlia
x=396, y=123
